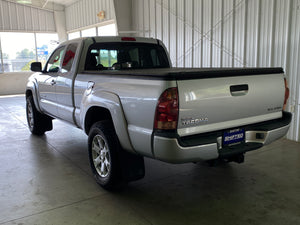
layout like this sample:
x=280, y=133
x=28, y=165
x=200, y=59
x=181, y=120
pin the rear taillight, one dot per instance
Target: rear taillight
x=286, y=94
x=166, y=115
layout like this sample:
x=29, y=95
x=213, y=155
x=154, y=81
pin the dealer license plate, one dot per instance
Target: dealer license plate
x=232, y=137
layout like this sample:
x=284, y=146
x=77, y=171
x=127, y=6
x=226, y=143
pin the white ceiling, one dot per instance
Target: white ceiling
x=44, y=3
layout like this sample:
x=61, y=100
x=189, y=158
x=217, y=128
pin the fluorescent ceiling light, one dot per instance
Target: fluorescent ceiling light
x=24, y=1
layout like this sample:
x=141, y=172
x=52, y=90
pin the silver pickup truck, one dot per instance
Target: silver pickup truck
x=125, y=95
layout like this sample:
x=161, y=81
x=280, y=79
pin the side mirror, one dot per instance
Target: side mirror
x=36, y=67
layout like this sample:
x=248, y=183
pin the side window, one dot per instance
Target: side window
x=53, y=65
x=69, y=57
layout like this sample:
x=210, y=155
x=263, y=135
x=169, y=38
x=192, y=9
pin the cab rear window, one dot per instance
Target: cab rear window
x=120, y=56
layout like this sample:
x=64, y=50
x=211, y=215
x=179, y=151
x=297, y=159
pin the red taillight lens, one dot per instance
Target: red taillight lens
x=166, y=115
x=286, y=94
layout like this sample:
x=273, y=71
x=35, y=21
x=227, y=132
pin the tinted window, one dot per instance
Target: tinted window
x=53, y=65
x=116, y=56
x=107, y=57
x=69, y=57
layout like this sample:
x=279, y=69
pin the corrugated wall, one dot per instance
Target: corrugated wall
x=228, y=33
x=23, y=18
x=84, y=13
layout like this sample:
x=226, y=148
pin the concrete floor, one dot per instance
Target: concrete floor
x=47, y=180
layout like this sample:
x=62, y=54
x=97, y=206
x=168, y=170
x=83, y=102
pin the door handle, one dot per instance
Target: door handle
x=89, y=88
x=53, y=82
x=239, y=90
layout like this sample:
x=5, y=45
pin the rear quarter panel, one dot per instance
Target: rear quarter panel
x=138, y=99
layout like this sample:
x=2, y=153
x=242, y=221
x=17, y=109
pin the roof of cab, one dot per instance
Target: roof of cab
x=114, y=39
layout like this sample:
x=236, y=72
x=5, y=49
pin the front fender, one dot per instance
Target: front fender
x=112, y=103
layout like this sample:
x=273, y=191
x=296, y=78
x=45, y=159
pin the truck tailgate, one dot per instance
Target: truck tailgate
x=209, y=104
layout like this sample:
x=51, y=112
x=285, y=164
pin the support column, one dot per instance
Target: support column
x=123, y=14
x=60, y=24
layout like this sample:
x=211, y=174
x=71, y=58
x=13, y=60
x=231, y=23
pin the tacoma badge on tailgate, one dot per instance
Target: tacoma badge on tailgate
x=192, y=121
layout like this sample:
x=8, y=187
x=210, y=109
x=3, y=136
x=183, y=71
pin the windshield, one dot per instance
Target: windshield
x=118, y=56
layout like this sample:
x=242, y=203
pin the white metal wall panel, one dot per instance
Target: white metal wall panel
x=19, y=17
x=4, y=15
x=228, y=33
x=180, y=34
x=42, y=20
x=158, y=16
x=280, y=34
x=50, y=22
x=152, y=20
x=146, y=12
x=197, y=37
x=28, y=18
x=21, y=14
x=140, y=13
x=165, y=22
x=239, y=34
x=14, y=16
x=84, y=13
x=266, y=33
x=35, y=22
x=252, y=33
x=228, y=23
x=206, y=33
x=188, y=39
x=173, y=32
x=136, y=11
x=217, y=33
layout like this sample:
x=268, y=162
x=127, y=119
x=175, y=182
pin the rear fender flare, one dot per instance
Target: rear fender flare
x=112, y=103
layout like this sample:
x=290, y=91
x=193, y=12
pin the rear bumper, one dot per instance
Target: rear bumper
x=171, y=148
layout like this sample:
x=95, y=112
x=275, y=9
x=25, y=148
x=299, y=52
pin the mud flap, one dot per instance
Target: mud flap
x=132, y=166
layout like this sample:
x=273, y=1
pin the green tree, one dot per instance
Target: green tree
x=27, y=66
x=25, y=54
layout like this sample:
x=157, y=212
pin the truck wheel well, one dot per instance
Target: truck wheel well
x=94, y=115
x=28, y=93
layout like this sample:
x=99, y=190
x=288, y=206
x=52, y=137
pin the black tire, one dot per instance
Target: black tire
x=103, y=147
x=38, y=123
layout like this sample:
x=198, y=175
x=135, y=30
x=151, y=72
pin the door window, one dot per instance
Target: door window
x=69, y=57
x=53, y=65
